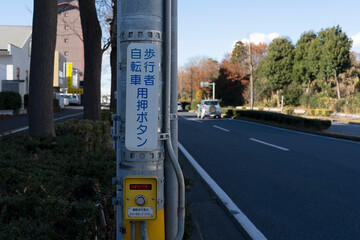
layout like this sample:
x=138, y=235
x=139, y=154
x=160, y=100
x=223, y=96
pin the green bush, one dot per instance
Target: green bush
x=289, y=111
x=194, y=104
x=10, y=101
x=319, y=112
x=50, y=188
x=295, y=121
x=26, y=100
x=106, y=116
x=228, y=112
x=96, y=134
x=186, y=105
x=292, y=94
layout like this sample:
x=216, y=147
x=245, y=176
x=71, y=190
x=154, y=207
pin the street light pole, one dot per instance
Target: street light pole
x=213, y=90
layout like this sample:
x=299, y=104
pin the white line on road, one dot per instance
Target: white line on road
x=240, y=217
x=27, y=127
x=269, y=144
x=297, y=132
x=221, y=128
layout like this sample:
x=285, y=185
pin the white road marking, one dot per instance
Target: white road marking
x=303, y=133
x=27, y=127
x=269, y=144
x=239, y=216
x=221, y=128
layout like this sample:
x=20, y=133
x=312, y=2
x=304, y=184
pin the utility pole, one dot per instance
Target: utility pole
x=150, y=200
x=251, y=78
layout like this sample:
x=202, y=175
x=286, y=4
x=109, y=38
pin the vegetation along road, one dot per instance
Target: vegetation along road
x=291, y=185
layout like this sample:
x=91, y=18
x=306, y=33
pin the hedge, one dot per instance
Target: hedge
x=10, y=101
x=96, y=134
x=315, y=124
x=50, y=187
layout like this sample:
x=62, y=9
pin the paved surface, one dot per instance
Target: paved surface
x=16, y=122
x=211, y=222
x=290, y=185
x=347, y=128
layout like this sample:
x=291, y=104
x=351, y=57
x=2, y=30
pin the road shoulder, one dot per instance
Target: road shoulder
x=210, y=220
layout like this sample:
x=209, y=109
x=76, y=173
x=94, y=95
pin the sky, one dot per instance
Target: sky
x=209, y=28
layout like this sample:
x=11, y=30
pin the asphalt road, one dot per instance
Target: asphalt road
x=290, y=185
x=352, y=129
x=19, y=122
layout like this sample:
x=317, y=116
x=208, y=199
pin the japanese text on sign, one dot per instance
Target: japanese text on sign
x=142, y=97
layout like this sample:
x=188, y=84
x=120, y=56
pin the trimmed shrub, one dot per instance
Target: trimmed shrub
x=289, y=111
x=26, y=100
x=96, y=134
x=10, y=101
x=319, y=112
x=315, y=124
x=228, y=112
x=194, y=104
x=106, y=116
x=50, y=188
x=186, y=105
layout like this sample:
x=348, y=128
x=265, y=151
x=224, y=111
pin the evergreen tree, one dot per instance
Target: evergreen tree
x=278, y=64
x=303, y=71
x=239, y=52
x=335, y=53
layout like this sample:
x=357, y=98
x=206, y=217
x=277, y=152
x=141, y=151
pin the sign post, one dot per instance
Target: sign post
x=142, y=97
x=207, y=84
x=143, y=131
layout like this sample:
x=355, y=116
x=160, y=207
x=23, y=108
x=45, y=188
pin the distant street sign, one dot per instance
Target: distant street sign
x=142, y=97
x=204, y=84
x=75, y=90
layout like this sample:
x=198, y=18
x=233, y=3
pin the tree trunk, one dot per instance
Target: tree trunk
x=337, y=84
x=41, y=114
x=251, y=79
x=113, y=56
x=93, y=57
x=278, y=97
x=308, y=88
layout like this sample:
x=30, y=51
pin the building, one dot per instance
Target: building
x=15, y=53
x=2, y=74
x=69, y=41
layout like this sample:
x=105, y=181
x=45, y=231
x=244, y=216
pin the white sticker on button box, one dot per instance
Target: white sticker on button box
x=140, y=212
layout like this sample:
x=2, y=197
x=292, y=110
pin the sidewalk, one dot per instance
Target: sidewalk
x=211, y=221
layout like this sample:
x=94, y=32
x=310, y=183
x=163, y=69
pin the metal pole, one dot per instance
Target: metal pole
x=116, y=133
x=138, y=22
x=213, y=90
x=171, y=186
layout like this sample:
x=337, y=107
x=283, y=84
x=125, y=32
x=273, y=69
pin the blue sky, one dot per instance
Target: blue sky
x=208, y=28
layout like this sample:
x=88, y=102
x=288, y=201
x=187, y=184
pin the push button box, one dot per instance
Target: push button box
x=140, y=197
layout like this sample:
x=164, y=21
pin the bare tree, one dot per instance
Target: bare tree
x=41, y=119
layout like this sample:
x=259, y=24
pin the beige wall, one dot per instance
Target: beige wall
x=69, y=37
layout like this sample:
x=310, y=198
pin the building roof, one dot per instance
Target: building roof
x=15, y=35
